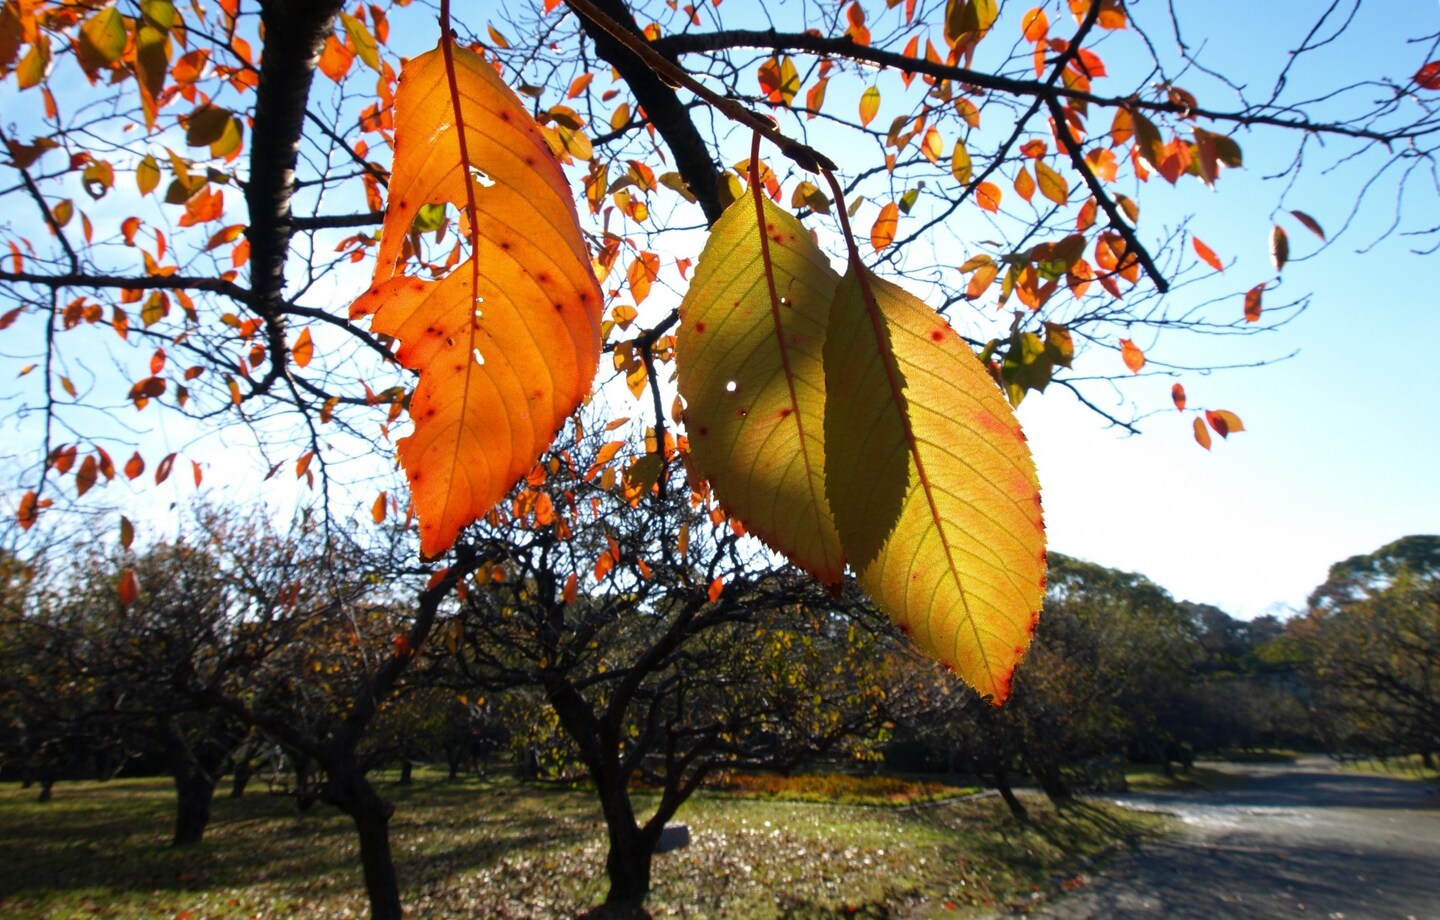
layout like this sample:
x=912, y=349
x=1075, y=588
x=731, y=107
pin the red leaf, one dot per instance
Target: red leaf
x=1428, y=77
x=1310, y=223
x=129, y=588
x=571, y=588
x=1252, y=303
x=162, y=472
x=1177, y=393
x=134, y=466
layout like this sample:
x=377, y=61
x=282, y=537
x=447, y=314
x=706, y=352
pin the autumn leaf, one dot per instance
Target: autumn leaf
x=931, y=483
x=749, y=359
x=303, y=349
x=1252, y=303
x=1131, y=354
x=29, y=510
x=1177, y=395
x=882, y=234
x=987, y=195
x=1207, y=255
x=1428, y=76
x=1309, y=223
x=960, y=166
x=1279, y=247
x=869, y=105
x=1225, y=423
x=508, y=342
x=1202, y=436
x=129, y=588
x=1052, y=185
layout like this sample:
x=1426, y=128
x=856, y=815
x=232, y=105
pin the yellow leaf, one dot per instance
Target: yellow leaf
x=960, y=163
x=1052, y=184
x=748, y=355
x=882, y=234
x=869, y=105
x=931, y=483
x=364, y=42
x=508, y=342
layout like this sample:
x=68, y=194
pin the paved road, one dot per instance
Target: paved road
x=1292, y=840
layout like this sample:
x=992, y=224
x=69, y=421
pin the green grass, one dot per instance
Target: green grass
x=497, y=848
x=841, y=789
x=1409, y=767
x=1270, y=755
x=1151, y=778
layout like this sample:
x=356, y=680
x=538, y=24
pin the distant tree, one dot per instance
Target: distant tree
x=1371, y=646
x=658, y=662
x=1367, y=574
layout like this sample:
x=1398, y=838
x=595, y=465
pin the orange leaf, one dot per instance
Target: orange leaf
x=1177, y=393
x=506, y=348
x=1206, y=254
x=303, y=349
x=1202, y=436
x=1024, y=184
x=135, y=466
x=377, y=510
x=129, y=588
x=717, y=587
x=987, y=196
x=1252, y=303
x=29, y=510
x=572, y=585
x=1134, y=358
x=86, y=475
x=882, y=234
x=1035, y=25
x=1225, y=423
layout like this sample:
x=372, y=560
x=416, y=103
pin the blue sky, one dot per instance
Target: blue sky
x=1338, y=453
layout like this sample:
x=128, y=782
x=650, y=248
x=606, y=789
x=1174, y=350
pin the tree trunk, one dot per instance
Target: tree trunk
x=1047, y=774
x=352, y=793
x=194, y=791
x=47, y=786
x=407, y=770
x=1001, y=774
x=243, y=772
x=627, y=866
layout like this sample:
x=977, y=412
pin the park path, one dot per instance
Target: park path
x=1292, y=840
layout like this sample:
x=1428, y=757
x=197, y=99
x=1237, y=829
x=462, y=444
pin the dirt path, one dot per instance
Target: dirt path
x=1290, y=840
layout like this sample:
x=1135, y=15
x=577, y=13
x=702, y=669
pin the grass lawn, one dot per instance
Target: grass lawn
x=1409, y=767
x=498, y=848
x=1151, y=778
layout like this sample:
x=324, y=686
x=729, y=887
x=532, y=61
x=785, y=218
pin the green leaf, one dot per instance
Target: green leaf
x=102, y=40
x=206, y=125
x=931, y=483
x=749, y=359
